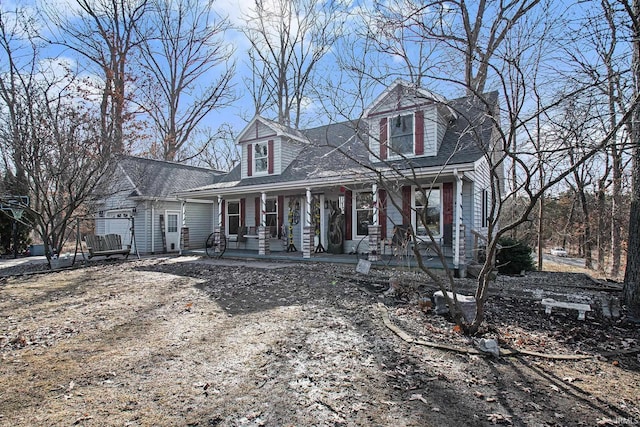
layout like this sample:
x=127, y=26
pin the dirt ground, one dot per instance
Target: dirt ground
x=187, y=341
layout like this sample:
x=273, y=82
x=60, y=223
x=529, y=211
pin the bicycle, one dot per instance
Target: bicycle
x=216, y=244
x=399, y=247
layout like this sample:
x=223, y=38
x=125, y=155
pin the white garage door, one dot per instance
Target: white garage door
x=119, y=222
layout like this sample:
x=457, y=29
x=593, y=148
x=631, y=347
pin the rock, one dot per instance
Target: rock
x=489, y=346
x=466, y=303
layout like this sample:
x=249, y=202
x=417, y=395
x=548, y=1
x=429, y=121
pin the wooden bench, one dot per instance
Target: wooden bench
x=550, y=303
x=107, y=245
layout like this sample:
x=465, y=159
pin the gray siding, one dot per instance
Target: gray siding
x=198, y=220
x=468, y=216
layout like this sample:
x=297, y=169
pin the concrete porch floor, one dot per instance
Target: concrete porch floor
x=401, y=262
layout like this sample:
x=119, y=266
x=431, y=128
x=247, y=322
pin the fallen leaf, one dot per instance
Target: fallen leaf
x=419, y=397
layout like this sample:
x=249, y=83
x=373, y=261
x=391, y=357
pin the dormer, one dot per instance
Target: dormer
x=268, y=147
x=406, y=121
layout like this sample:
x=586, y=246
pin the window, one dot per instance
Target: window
x=401, y=132
x=233, y=217
x=428, y=210
x=172, y=223
x=261, y=162
x=272, y=216
x=363, y=203
x=485, y=209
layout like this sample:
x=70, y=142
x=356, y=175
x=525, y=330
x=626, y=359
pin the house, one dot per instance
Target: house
x=142, y=193
x=330, y=187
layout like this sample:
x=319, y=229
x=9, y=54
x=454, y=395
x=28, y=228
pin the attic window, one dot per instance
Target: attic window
x=260, y=157
x=401, y=131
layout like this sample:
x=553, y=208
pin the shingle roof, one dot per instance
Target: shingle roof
x=466, y=139
x=464, y=142
x=154, y=178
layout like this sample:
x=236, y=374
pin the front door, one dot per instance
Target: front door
x=172, y=231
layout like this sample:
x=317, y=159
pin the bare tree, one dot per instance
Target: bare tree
x=604, y=35
x=221, y=152
x=188, y=68
x=631, y=289
x=517, y=64
x=50, y=135
x=288, y=39
x=104, y=33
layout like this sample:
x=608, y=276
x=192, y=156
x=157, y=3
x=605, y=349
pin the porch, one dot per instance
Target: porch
x=408, y=262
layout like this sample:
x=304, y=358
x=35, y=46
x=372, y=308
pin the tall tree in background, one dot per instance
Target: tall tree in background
x=604, y=36
x=188, y=71
x=631, y=289
x=104, y=33
x=288, y=39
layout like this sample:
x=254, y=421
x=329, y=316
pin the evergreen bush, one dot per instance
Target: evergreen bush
x=514, y=256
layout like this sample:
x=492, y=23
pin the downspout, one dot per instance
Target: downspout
x=458, y=221
x=183, y=214
x=323, y=240
x=153, y=234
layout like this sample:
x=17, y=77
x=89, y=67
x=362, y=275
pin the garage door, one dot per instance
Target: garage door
x=119, y=222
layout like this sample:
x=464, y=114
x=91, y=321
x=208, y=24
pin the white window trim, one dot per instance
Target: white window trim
x=354, y=214
x=414, y=219
x=226, y=215
x=254, y=158
x=275, y=204
x=391, y=154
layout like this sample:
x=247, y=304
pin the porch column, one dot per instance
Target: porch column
x=263, y=233
x=218, y=226
x=374, y=242
x=374, y=229
x=307, y=238
x=458, y=245
x=376, y=211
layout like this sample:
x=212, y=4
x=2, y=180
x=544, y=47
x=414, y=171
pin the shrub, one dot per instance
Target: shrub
x=514, y=256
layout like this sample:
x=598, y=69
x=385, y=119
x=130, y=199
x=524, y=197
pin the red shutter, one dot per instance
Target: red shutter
x=406, y=205
x=419, y=132
x=257, y=213
x=447, y=202
x=383, y=139
x=270, y=156
x=382, y=212
x=242, y=215
x=249, y=159
x=280, y=215
x=347, y=214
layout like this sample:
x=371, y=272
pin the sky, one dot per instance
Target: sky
x=240, y=112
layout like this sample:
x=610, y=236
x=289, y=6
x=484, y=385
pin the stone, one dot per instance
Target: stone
x=466, y=303
x=489, y=346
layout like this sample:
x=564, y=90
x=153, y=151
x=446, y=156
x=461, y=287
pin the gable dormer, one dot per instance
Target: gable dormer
x=268, y=147
x=405, y=121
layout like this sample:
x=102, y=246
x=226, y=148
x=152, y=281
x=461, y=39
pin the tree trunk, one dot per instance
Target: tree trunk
x=616, y=204
x=631, y=289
